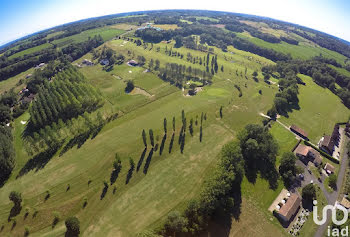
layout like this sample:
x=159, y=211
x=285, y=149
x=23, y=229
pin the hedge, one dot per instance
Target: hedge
x=322, y=152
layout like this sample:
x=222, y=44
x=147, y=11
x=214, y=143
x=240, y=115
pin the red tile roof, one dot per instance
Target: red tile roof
x=296, y=129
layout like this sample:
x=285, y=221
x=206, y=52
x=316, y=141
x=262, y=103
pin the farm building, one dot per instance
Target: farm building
x=329, y=168
x=290, y=208
x=299, y=131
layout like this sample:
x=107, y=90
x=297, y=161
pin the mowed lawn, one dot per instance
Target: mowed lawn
x=285, y=139
x=106, y=33
x=31, y=50
x=319, y=110
x=14, y=82
x=303, y=50
x=255, y=219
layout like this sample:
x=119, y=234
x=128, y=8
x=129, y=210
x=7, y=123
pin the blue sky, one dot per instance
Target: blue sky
x=22, y=17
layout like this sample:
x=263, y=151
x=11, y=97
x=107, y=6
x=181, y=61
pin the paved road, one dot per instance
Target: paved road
x=333, y=197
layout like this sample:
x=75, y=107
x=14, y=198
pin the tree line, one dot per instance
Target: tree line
x=67, y=96
x=254, y=152
x=7, y=154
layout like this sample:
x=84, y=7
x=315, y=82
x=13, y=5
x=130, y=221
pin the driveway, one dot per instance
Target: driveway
x=332, y=198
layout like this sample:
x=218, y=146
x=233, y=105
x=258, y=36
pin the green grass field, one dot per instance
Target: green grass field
x=13, y=82
x=319, y=110
x=301, y=51
x=106, y=33
x=285, y=139
x=31, y=50
x=172, y=179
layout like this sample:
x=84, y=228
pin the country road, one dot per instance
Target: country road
x=331, y=197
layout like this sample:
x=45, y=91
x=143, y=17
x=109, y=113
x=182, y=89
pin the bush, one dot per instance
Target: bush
x=331, y=158
x=16, y=198
x=56, y=218
x=309, y=192
x=26, y=231
x=332, y=181
x=73, y=226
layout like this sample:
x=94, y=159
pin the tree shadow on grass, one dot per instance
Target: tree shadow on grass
x=162, y=145
x=40, y=160
x=15, y=210
x=104, y=192
x=171, y=143
x=221, y=220
x=114, y=176
x=148, y=162
x=80, y=139
x=141, y=160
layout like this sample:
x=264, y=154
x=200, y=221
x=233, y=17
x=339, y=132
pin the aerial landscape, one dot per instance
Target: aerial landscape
x=174, y=123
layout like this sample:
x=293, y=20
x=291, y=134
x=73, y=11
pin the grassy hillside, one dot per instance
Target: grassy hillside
x=161, y=182
x=304, y=50
x=319, y=110
x=31, y=50
x=107, y=33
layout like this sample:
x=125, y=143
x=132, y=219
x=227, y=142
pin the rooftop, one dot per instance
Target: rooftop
x=298, y=130
x=291, y=206
x=302, y=150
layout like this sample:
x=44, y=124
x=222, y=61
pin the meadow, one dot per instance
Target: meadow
x=106, y=33
x=319, y=110
x=31, y=50
x=161, y=182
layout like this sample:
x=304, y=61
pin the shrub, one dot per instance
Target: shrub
x=309, y=192
x=56, y=218
x=73, y=226
x=26, y=231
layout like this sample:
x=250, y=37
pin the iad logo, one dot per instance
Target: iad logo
x=334, y=214
x=333, y=232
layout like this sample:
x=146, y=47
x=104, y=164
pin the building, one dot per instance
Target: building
x=329, y=168
x=87, y=62
x=29, y=98
x=301, y=133
x=315, y=156
x=306, y=154
x=104, y=62
x=133, y=63
x=345, y=203
x=327, y=144
x=302, y=151
x=290, y=208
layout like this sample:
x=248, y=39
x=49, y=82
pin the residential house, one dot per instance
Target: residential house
x=290, y=208
x=306, y=154
x=327, y=144
x=329, y=168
